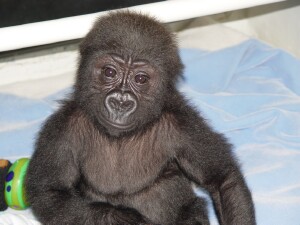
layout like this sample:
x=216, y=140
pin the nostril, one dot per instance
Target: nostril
x=127, y=105
x=113, y=103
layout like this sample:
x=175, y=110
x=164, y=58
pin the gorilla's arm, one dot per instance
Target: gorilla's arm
x=206, y=159
x=53, y=178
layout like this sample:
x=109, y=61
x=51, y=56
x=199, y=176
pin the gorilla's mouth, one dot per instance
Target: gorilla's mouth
x=119, y=124
x=117, y=129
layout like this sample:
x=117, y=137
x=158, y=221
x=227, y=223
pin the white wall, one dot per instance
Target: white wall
x=53, y=31
x=277, y=24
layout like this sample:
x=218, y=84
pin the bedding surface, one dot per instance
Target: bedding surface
x=250, y=92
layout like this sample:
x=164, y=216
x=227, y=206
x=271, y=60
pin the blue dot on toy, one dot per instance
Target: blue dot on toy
x=8, y=189
x=9, y=176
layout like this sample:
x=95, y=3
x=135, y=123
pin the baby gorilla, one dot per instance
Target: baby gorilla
x=126, y=147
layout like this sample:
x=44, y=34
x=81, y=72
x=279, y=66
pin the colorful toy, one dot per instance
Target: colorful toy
x=14, y=191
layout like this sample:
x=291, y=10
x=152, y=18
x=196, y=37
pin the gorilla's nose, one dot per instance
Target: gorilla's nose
x=122, y=103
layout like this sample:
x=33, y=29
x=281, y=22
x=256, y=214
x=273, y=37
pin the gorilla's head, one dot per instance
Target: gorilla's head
x=128, y=67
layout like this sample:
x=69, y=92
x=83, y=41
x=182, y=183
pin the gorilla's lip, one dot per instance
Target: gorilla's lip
x=118, y=125
x=121, y=126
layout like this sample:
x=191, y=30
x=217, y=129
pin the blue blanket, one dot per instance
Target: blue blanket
x=250, y=92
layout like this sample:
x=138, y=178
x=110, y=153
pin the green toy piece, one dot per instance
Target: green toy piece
x=14, y=191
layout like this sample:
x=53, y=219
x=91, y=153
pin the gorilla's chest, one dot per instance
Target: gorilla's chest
x=127, y=166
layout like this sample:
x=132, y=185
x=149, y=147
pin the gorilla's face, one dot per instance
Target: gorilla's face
x=126, y=71
x=127, y=92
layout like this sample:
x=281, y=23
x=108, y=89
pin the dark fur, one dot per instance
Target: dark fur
x=87, y=171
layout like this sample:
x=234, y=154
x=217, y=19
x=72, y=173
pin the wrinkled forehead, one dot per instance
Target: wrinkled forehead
x=127, y=48
x=135, y=43
x=129, y=62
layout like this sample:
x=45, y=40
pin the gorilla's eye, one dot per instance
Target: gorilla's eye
x=109, y=72
x=141, y=78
